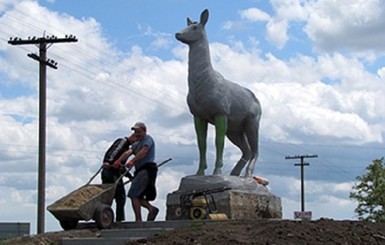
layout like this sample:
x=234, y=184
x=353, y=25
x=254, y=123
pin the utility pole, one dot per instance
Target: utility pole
x=43, y=43
x=302, y=164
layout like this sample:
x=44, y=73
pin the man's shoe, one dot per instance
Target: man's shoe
x=152, y=215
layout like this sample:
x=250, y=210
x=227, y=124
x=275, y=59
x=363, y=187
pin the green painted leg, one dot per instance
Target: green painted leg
x=201, y=132
x=220, y=134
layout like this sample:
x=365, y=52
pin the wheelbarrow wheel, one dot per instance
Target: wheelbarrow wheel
x=104, y=216
x=68, y=224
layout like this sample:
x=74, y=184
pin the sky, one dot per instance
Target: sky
x=317, y=67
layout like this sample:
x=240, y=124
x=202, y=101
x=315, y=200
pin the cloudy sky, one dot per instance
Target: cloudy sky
x=317, y=67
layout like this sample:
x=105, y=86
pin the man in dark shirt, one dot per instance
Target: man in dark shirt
x=112, y=170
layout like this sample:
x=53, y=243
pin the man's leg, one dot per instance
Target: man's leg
x=109, y=176
x=138, y=185
x=152, y=210
x=120, y=199
x=135, y=202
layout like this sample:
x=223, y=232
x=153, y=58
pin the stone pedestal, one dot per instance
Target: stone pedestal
x=243, y=198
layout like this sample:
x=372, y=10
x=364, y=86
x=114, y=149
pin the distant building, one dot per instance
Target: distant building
x=14, y=229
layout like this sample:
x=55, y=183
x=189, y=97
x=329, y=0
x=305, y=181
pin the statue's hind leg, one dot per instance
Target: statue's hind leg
x=251, y=131
x=239, y=139
x=238, y=167
x=250, y=167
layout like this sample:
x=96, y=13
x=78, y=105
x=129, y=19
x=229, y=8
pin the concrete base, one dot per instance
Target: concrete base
x=237, y=197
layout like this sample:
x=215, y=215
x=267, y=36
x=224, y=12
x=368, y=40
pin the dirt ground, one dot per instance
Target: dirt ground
x=323, y=231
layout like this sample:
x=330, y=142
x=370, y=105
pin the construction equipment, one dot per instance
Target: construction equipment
x=200, y=204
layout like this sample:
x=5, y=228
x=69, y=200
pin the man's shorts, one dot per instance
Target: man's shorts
x=138, y=185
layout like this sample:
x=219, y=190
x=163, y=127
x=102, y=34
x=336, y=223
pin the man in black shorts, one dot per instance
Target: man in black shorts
x=142, y=188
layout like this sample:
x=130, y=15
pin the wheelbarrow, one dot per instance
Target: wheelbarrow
x=86, y=203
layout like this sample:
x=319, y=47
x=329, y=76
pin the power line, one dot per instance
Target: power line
x=106, y=64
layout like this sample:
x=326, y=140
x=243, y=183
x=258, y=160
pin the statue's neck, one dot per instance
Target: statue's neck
x=199, y=56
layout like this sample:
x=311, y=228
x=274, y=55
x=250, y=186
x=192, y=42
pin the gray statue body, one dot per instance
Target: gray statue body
x=234, y=110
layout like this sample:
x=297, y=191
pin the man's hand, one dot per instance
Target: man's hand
x=116, y=164
x=130, y=164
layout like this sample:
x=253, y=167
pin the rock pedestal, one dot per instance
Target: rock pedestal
x=237, y=197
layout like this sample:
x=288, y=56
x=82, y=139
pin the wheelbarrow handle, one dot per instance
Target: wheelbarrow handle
x=158, y=165
x=93, y=177
x=164, y=162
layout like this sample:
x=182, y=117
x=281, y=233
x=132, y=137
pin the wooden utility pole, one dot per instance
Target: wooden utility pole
x=42, y=43
x=302, y=164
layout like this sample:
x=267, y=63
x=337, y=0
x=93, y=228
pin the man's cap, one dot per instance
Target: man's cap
x=138, y=125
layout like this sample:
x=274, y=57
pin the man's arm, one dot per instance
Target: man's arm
x=141, y=153
x=123, y=158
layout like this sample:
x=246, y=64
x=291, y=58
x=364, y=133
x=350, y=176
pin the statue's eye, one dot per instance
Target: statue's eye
x=195, y=27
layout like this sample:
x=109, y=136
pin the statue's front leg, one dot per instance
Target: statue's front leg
x=201, y=132
x=220, y=134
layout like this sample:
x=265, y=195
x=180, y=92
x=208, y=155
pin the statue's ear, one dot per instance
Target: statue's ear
x=204, y=17
x=189, y=21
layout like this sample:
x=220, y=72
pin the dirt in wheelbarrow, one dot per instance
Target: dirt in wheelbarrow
x=322, y=231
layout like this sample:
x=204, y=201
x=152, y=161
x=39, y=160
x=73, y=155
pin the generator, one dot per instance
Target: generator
x=200, y=204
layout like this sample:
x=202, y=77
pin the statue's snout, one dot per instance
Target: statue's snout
x=182, y=38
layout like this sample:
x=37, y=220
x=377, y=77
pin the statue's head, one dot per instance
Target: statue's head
x=194, y=30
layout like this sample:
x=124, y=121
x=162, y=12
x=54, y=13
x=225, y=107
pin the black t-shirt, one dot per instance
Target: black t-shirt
x=113, y=153
x=116, y=150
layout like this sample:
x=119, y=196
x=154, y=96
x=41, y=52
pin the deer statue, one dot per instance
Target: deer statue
x=234, y=111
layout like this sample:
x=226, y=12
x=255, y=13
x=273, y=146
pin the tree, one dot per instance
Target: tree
x=370, y=192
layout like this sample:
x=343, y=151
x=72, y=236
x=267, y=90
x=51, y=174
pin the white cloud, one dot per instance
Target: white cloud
x=277, y=32
x=250, y=15
x=278, y=24
x=232, y=25
x=319, y=197
x=289, y=9
x=346, y=25
x=254, y=14
x=381, y=72
x=331, y=25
